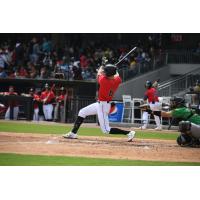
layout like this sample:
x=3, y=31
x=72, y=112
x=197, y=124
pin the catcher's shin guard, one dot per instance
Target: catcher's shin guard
x=184, y=126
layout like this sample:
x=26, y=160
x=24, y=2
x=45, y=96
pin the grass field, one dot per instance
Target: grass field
x=35, y=160
x=59, y=129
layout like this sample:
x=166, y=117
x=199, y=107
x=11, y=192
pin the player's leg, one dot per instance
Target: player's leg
x=15, y=112
x=56, y=109
x=49, y=111
x=36, y=114
x=62, y=114
x=45, y=111
x=83, y=113
x=145, y=116
x=7, y=115
x=102, y=111
x=156, y=110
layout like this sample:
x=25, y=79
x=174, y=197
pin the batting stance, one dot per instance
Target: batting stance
x=155, y=106
x=108, y=80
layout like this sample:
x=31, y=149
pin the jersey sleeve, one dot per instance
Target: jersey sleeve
x=100, y=78
x=182, y=113
x=118, y=79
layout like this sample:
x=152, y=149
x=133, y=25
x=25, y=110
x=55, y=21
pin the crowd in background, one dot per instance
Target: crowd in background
x=40, y=59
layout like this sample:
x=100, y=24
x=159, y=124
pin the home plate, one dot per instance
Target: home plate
x=146, y=147
x=51, y=142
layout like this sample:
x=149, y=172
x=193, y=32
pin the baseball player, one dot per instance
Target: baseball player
x=108, y=80
x=189, y=127
x=47, y=97
x=13, y=105
x=59, y=108
x=36, y=100
x=152, y=97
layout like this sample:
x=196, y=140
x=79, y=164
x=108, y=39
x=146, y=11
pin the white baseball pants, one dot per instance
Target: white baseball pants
x=101, y=109
x=48, y=110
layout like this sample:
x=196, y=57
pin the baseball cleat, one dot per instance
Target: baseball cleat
x=70, y=135
x=143, y=127
x=131, y=135
x=158, y=128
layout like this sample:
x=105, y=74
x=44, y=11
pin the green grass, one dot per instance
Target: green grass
x=58, y=129
x=35, y=160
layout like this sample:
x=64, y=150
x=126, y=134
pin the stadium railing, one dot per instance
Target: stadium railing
x=178, y=57
x=156, y=62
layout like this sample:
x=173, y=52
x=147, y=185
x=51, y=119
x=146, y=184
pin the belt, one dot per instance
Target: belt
x=104, y=101
x=153, y=102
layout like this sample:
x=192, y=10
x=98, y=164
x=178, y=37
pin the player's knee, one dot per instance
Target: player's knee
x=184, y=126
x=82, y=113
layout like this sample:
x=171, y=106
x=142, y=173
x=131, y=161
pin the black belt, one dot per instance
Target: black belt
x=104, y=101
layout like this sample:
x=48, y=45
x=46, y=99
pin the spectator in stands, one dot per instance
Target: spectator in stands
x=2, y=59
x=32, y=70
x=22, y=72
x=44, y=74
x=77, y=72
x=3, y=73
x=35, y=51
x=46, y=46
x=19, y=53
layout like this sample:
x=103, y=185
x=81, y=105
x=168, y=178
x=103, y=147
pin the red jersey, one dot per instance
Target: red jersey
x=151, y=95
x=61, y=99
x=36, y=99
x=12, y=103
x=107, y=87
x=47, y=96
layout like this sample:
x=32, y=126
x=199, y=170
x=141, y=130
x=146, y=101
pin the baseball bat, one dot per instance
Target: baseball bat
x=133, y=49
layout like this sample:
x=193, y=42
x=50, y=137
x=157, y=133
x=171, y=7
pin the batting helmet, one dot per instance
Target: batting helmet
x=110, y=70
x=148, y=84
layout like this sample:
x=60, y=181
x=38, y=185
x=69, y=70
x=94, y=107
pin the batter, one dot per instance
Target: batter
x=109, y=81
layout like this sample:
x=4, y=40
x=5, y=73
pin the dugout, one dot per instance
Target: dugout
x=79, y=91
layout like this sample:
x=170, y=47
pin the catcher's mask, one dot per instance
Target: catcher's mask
x=148, y=84
x=110, y=70
x=177, y=102
x=184, y=140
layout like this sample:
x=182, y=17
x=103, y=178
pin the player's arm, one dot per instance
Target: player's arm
x=100, y=71
x=166, y=114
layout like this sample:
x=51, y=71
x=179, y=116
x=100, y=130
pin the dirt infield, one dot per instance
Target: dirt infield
x=98, y=147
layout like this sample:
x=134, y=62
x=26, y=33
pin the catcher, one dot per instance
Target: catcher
x=190, y=124
x=108, y=80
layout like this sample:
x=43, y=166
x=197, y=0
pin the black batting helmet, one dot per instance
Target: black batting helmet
x=110, y=70
x=148, y=84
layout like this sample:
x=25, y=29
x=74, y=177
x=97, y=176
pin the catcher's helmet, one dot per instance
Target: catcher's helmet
x=110, y=70
x=176, y=102
x=148, y=84
x=184, y=140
